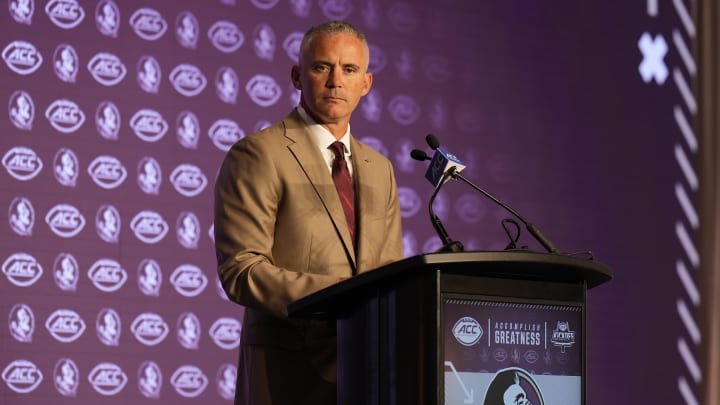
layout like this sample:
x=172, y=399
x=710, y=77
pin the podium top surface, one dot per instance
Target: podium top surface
x=520, y=265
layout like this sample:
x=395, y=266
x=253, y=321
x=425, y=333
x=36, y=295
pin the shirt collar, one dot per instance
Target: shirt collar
x=320, y=135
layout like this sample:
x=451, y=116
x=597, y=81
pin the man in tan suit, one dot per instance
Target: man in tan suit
x=282, y=232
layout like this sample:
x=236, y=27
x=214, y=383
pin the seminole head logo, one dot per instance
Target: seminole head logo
x=513, y=386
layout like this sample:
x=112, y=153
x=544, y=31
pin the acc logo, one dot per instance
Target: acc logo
x=188, y=280
x=107, y=275
x=225, y=332
x=107, y=120
x=291, y=45
x=148, y=24
x=22, y=57
x=148, y=76
x=65, y=167
x=226, y=380
x=22, y=323
x=226, y=36
x=263, y=90
x=107, y=223
x=22, y=269
x=21, y=216
x=22, y=110
x=22, y=163
x=188, y=230
x=403, y=17
x=469, y=208
x=404, y=109
x=188, y=330
x=22, y=376
x=186, y=29
x=224, y=133
x=107, y=172
x=149, y=277
x=65, y=376
x=301, y=8
x=107, y=69
x=189, y=381
x=65, y=325
x=65, y=62
x=107, y=379
x=467, y=331
x=188, y=180
x=409, y=202
x=22, y=11
x=336, y=9
x=149, y=125
x=66, y=14
x=188, y=129
x=108, y=327
x=150, y=379
x=149, y=328
x=264, y=42
x=149, y=226
x=107, y=16
x=437, y=68
x=65, y=220
x=264, y=4
x=65, y=116
x=226, y=85
x=149, y=175
x=188, y=79
x=66, y=272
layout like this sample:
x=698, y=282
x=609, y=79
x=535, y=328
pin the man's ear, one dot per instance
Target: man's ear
x=368, y=83
x=295, y=76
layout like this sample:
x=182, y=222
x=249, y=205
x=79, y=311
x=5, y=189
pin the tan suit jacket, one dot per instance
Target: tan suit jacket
x=281, y=234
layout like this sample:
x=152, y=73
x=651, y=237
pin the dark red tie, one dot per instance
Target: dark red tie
x=344, y=186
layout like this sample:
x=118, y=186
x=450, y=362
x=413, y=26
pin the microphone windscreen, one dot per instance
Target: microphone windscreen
x=432, y=142
x=417, y=154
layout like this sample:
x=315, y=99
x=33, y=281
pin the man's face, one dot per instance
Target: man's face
x=332, y=76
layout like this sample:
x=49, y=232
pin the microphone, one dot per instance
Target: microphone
x=440, y=163
x=454, y=173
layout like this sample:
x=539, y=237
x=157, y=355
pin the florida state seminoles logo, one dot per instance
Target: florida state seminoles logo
x=513, y=386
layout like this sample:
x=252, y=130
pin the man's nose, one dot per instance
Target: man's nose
x=335, y=78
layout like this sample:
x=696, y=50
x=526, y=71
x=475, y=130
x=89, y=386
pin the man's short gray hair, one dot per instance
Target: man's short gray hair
x=330, y=28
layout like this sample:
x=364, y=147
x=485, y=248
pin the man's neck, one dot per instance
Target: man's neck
x=337, y=129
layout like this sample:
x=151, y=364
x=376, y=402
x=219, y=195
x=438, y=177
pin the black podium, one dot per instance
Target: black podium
x=442, y=328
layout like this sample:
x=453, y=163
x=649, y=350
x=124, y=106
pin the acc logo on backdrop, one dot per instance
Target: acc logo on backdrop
x=149, y=175
x=65, y=167
x=22, y=57
x=66, y=272
x=467, y=331
x=150, y=379
x=149, y=74
x=263, y=90
x=107, y=120
x=188, y=331
x=107, y=223
x=188, y=280
x=410, y=202
x=264, y=4
x=22, y=323
x=188, y=180
x=149, y=226
x=107, y=18
x=226, y=36
x=107, y=379
x=226, y=380
x=21, y=110
x=22, y=163
x=264, y=42
x=65, y=63
x=65, y=325
x=225, y=332
x=107, y=69
x=186, y=30
x=149, y=328
x=22, y=269
x=148, y=24
x=108, y=327
x=21, y=216
x=107, y=275
x=226, y=85
x=188, y=129
x=189, y=381
x=66, y=377
x=188, y=79
x=437, y=68
x=188, y=230
x=336, y=9
x=224, y=133
x=65, y=116
x=107, y=172
x=149, y=125
x=403, y=17
x=404, y=109
x=301, y=8
x=22, y=376
x=149, y=277
x=291, y=45
x=22, y=11
x=66, y=14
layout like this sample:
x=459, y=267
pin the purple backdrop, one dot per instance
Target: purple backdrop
x=119, y=113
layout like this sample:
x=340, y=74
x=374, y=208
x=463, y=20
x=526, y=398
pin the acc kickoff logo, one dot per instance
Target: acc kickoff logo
x=562, y=336
x=22, y=57
x=107, y=379
x=107, y=275
x=149, y=328
x=149, y=226
x=467, y=331
x=65, y=325
x=66, y=14
x=22, y=376
x=22, y=269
